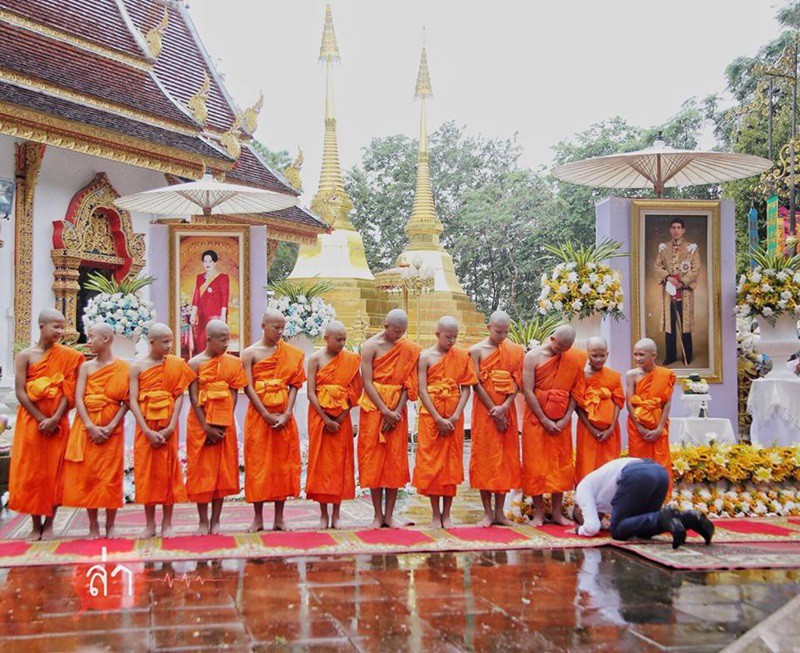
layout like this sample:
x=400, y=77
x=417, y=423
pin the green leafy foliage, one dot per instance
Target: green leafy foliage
x=130, y=285
x=538, y=328
x=585, y=254
x=293, y=290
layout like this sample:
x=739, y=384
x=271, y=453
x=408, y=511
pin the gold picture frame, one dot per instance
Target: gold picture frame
x=650, y=302
x=186, y=243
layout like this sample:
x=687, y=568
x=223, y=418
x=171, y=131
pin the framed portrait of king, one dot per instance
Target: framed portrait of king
x=675, y=284
x=209, y=280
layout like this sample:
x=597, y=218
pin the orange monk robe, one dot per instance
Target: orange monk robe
x=547, y=465
x=272, y=457
x=603, y=393
x=93, y=472
x=494, y=463
x=212, y=471
x=383, y=456
x=35, y=484
x=331, y=473
x=157, y=471
x=650, y=396
x=439, y=466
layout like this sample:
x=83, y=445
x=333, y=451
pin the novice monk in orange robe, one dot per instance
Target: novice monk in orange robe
x=271, y=441
x=93, y=467
x=158, y=382
x=598, y=424
x=212, y=450
x=45, y=377
x=553, y=384
x=334, y=386
x=494, y=464
x=389, y=373
x=445, y=376
x=649, y=397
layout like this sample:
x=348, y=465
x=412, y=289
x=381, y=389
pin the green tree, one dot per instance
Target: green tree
x=278, y=160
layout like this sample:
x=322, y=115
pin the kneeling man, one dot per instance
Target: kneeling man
x=632, y=491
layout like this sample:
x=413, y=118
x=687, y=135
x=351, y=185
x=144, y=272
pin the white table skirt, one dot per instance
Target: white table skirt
x=695, y=431
x=775, y=407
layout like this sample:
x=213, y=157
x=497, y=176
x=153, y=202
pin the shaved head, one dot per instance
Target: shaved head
x=271, y=315
x=49, y=315
x=499, y=318
x=596, y=342
x=447, y=322
x=565, y=335
x=102, y=329
x=397, y=318
x=159, y=330
x=335, y=328
x=217, y=328
x=647, y=344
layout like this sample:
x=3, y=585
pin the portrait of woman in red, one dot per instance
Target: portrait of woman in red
x=210, y=299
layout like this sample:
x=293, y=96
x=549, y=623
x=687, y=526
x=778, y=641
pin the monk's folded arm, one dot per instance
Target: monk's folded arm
x=20, y=379
x=369, y=388
x=528, y=384
x=114, y=423
x=584, y=419
x=664, y=417
x=424, y=397
x=173, y=421
x=311, y=390
x=194, y=399
x=134, y=402
x=80, y=391
x=290, y=403
x=462, y=402
x=480, y=391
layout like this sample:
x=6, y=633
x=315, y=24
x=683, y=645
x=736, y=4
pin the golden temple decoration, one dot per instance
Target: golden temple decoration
x=329, y=49
x=777, y=180
x=250, y=121
x=28, y=164
x=155, y=37
x=197, y=103
x=230, y=139
x=272, y=250
x=292, y=173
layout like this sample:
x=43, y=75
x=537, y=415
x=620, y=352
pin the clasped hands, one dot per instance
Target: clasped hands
x=158, y=438
x=554, y=427
x=499, y=415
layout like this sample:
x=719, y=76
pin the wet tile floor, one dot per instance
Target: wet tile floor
x=568, y=600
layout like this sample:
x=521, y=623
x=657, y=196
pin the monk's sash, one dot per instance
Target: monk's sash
x=273, y=394
x=389, y=394
x=45, y=387
x=156, y=407
x=215, y=398
x=445, y=395
x=554, y=402
x=599, y=407
x=647, y=411
x=76, y=444
x=332, y=398
x=501, y=381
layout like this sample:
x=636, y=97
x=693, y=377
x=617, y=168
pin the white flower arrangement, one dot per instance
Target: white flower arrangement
x=769, y=289
x=303, y=307
x=581, y=285
x=120, y=305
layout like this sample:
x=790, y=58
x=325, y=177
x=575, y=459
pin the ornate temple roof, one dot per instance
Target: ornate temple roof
x=128, y=80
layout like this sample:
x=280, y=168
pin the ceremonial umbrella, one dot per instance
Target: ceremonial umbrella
x=206, y=197
x=660, y=167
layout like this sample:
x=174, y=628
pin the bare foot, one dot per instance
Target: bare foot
x=256, y=526
x=323, y=523
x=562, y=521
x=335, y=523
x=166, y=530
x=111, y=532
x=278, y=525
x=94, y=533
x=214, y=529
x=377, y=522
x=398, y=523
x=35, y=535
x=47, y=534
x=148, y=532
x=436, y=523
x=202, y=530
x=537, y=520
x=486, y=521
x=447, y=522
x=502, y=520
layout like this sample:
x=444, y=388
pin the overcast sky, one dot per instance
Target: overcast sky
x=543, y=68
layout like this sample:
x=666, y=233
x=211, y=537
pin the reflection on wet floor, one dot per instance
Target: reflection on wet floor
x=567, y=600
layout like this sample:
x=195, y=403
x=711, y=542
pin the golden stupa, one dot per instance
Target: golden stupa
x=424, y=249
x=338, y=257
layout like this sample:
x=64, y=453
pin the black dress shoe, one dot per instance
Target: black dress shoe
x=698, y=522
x=672, y=524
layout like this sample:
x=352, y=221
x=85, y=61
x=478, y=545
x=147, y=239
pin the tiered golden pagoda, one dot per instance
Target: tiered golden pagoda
x=424, y=249
x=339, y=257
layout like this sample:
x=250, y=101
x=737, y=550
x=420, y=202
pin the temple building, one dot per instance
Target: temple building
x=103, y=98
x=339, y=257
x=424, y=249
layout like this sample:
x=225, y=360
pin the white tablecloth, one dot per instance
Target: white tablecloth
x=695, y=431
x=775, y=407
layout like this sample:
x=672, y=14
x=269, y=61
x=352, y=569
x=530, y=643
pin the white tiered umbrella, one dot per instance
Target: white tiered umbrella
x=206, y=197
x=660, y=167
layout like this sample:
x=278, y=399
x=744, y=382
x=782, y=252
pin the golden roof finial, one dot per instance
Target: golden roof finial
x=230, y=139
x=292, y=172
x=424, y=88
x=197, y=103
x=250, y=122
x=155, y=37
x=329, y=49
